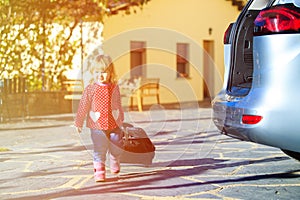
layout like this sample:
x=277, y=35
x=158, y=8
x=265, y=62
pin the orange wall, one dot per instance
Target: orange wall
x=162, y=24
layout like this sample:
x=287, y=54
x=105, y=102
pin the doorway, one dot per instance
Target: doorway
x=137, y=59
x=208, y=68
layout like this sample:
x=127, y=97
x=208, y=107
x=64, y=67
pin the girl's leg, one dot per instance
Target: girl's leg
x=115, y=149
x=101, y=145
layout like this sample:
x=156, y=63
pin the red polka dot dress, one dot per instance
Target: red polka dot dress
x=101, y=105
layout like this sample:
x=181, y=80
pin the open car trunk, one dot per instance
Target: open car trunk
x=241, y=65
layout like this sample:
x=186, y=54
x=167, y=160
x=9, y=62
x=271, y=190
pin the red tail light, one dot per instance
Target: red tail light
x=227, y=34
x=278, y=19
x=251, y=119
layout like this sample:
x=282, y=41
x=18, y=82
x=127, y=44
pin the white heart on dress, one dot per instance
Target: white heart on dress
x=94, y=115
x=115, y=114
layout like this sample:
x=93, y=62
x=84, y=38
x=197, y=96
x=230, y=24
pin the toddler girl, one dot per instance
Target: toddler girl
x=101, y=104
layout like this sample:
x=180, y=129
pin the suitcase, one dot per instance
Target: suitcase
x=137, y=146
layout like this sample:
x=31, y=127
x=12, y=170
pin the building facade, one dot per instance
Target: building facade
x=179, y=42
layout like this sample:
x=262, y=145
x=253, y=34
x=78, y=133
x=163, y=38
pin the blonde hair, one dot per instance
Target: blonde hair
x=104, y=62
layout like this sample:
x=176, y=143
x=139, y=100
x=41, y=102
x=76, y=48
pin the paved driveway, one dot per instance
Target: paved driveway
x=44, y=158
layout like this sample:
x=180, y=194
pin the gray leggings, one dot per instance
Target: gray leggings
x=106, y=141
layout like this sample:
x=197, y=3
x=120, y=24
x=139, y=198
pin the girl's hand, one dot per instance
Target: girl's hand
x=79, y=129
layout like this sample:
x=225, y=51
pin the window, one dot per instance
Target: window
x=182, y=64
x=137, y=59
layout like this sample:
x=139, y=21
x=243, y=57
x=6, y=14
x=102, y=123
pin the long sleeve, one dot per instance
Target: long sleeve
x=117, y=105
x=83, y=107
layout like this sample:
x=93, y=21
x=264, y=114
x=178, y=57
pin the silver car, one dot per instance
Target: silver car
x=260, y=98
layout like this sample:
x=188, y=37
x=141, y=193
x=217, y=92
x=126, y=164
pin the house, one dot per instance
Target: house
x=179, y=42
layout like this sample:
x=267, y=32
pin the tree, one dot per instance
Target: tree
x=38, y=36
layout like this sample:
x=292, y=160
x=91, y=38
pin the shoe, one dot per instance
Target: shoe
x=99, y=172
x=114, y=165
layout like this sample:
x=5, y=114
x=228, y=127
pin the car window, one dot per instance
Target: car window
x=259, y=4
x=295, y=2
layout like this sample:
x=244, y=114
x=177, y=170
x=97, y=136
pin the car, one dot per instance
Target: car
x=259, y=100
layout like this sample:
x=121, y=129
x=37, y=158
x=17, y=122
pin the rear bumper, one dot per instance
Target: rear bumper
x=278, y=128
x=227, y=118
